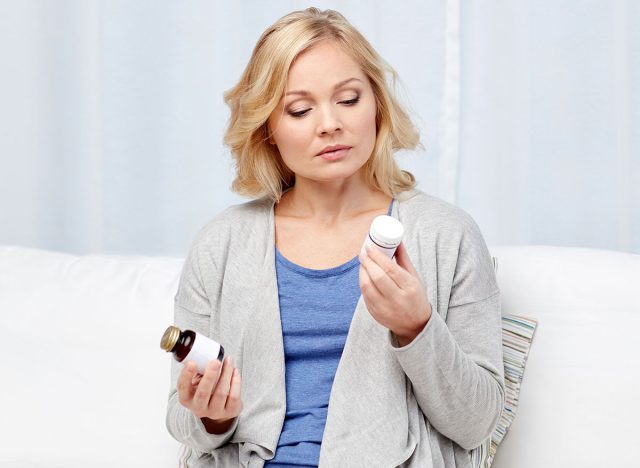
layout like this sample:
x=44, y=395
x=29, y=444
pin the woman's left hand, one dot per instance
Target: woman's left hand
x=394, y=293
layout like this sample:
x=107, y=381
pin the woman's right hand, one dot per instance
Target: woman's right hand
x=214, y=396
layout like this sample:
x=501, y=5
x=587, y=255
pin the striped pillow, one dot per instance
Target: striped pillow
x=517, y=335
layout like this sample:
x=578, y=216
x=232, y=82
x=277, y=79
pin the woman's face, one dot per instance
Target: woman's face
x=328, y=102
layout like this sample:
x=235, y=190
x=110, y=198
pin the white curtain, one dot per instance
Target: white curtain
x=111, y=115
x=550, y=122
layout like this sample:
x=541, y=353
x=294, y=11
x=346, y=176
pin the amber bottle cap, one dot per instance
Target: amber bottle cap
x=170, y=338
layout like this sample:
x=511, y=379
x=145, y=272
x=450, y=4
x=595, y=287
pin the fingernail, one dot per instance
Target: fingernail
x=191, y=366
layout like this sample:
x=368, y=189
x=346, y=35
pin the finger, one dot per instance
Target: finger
x=221, y=392
x=385, y=274
x=183, y=385
x=206, y=386
x=234, y=403
x=369, y=290
x=402, y=257
x=399, y=275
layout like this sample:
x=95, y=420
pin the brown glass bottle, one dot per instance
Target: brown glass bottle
x=191, y=346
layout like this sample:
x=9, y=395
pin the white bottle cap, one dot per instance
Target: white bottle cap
x=386, y=231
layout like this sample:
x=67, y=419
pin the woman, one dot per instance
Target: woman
x=393, y=363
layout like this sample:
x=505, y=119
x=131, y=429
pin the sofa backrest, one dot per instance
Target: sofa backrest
x=85, y=382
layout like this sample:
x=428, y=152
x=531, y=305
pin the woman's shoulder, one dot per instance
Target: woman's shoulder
x=426, y=209
x=447, y=229
x=240, y=220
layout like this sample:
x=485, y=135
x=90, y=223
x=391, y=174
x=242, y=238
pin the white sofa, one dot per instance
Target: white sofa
x=84, y=381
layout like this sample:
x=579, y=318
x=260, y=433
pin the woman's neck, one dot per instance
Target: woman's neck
x=332, y=203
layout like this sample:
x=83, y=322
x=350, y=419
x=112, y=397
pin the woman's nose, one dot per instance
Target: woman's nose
x=329, y=120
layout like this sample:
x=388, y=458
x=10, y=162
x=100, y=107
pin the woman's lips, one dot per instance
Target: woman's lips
x=333, y=155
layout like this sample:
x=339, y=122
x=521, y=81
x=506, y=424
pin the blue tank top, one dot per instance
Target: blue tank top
x=316, y=308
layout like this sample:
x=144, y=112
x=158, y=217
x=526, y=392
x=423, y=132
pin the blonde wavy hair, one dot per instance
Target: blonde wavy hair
x=260, y=170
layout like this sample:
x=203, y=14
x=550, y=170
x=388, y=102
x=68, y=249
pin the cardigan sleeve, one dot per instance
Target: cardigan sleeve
x=455, y=364
x=192, y=311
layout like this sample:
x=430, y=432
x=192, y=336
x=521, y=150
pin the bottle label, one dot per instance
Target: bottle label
x=203, y=351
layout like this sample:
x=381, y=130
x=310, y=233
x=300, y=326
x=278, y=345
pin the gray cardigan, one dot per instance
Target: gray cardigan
x=428, y=404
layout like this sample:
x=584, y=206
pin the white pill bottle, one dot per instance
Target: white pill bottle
x=385, y=234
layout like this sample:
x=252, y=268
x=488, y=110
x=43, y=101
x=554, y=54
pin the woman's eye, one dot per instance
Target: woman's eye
x=298, y=113
x=351, y=102
x=302, y=113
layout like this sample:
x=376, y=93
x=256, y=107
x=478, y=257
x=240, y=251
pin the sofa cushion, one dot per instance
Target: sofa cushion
x=579, y=398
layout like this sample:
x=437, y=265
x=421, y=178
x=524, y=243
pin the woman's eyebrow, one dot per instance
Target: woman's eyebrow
x=339, y=85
